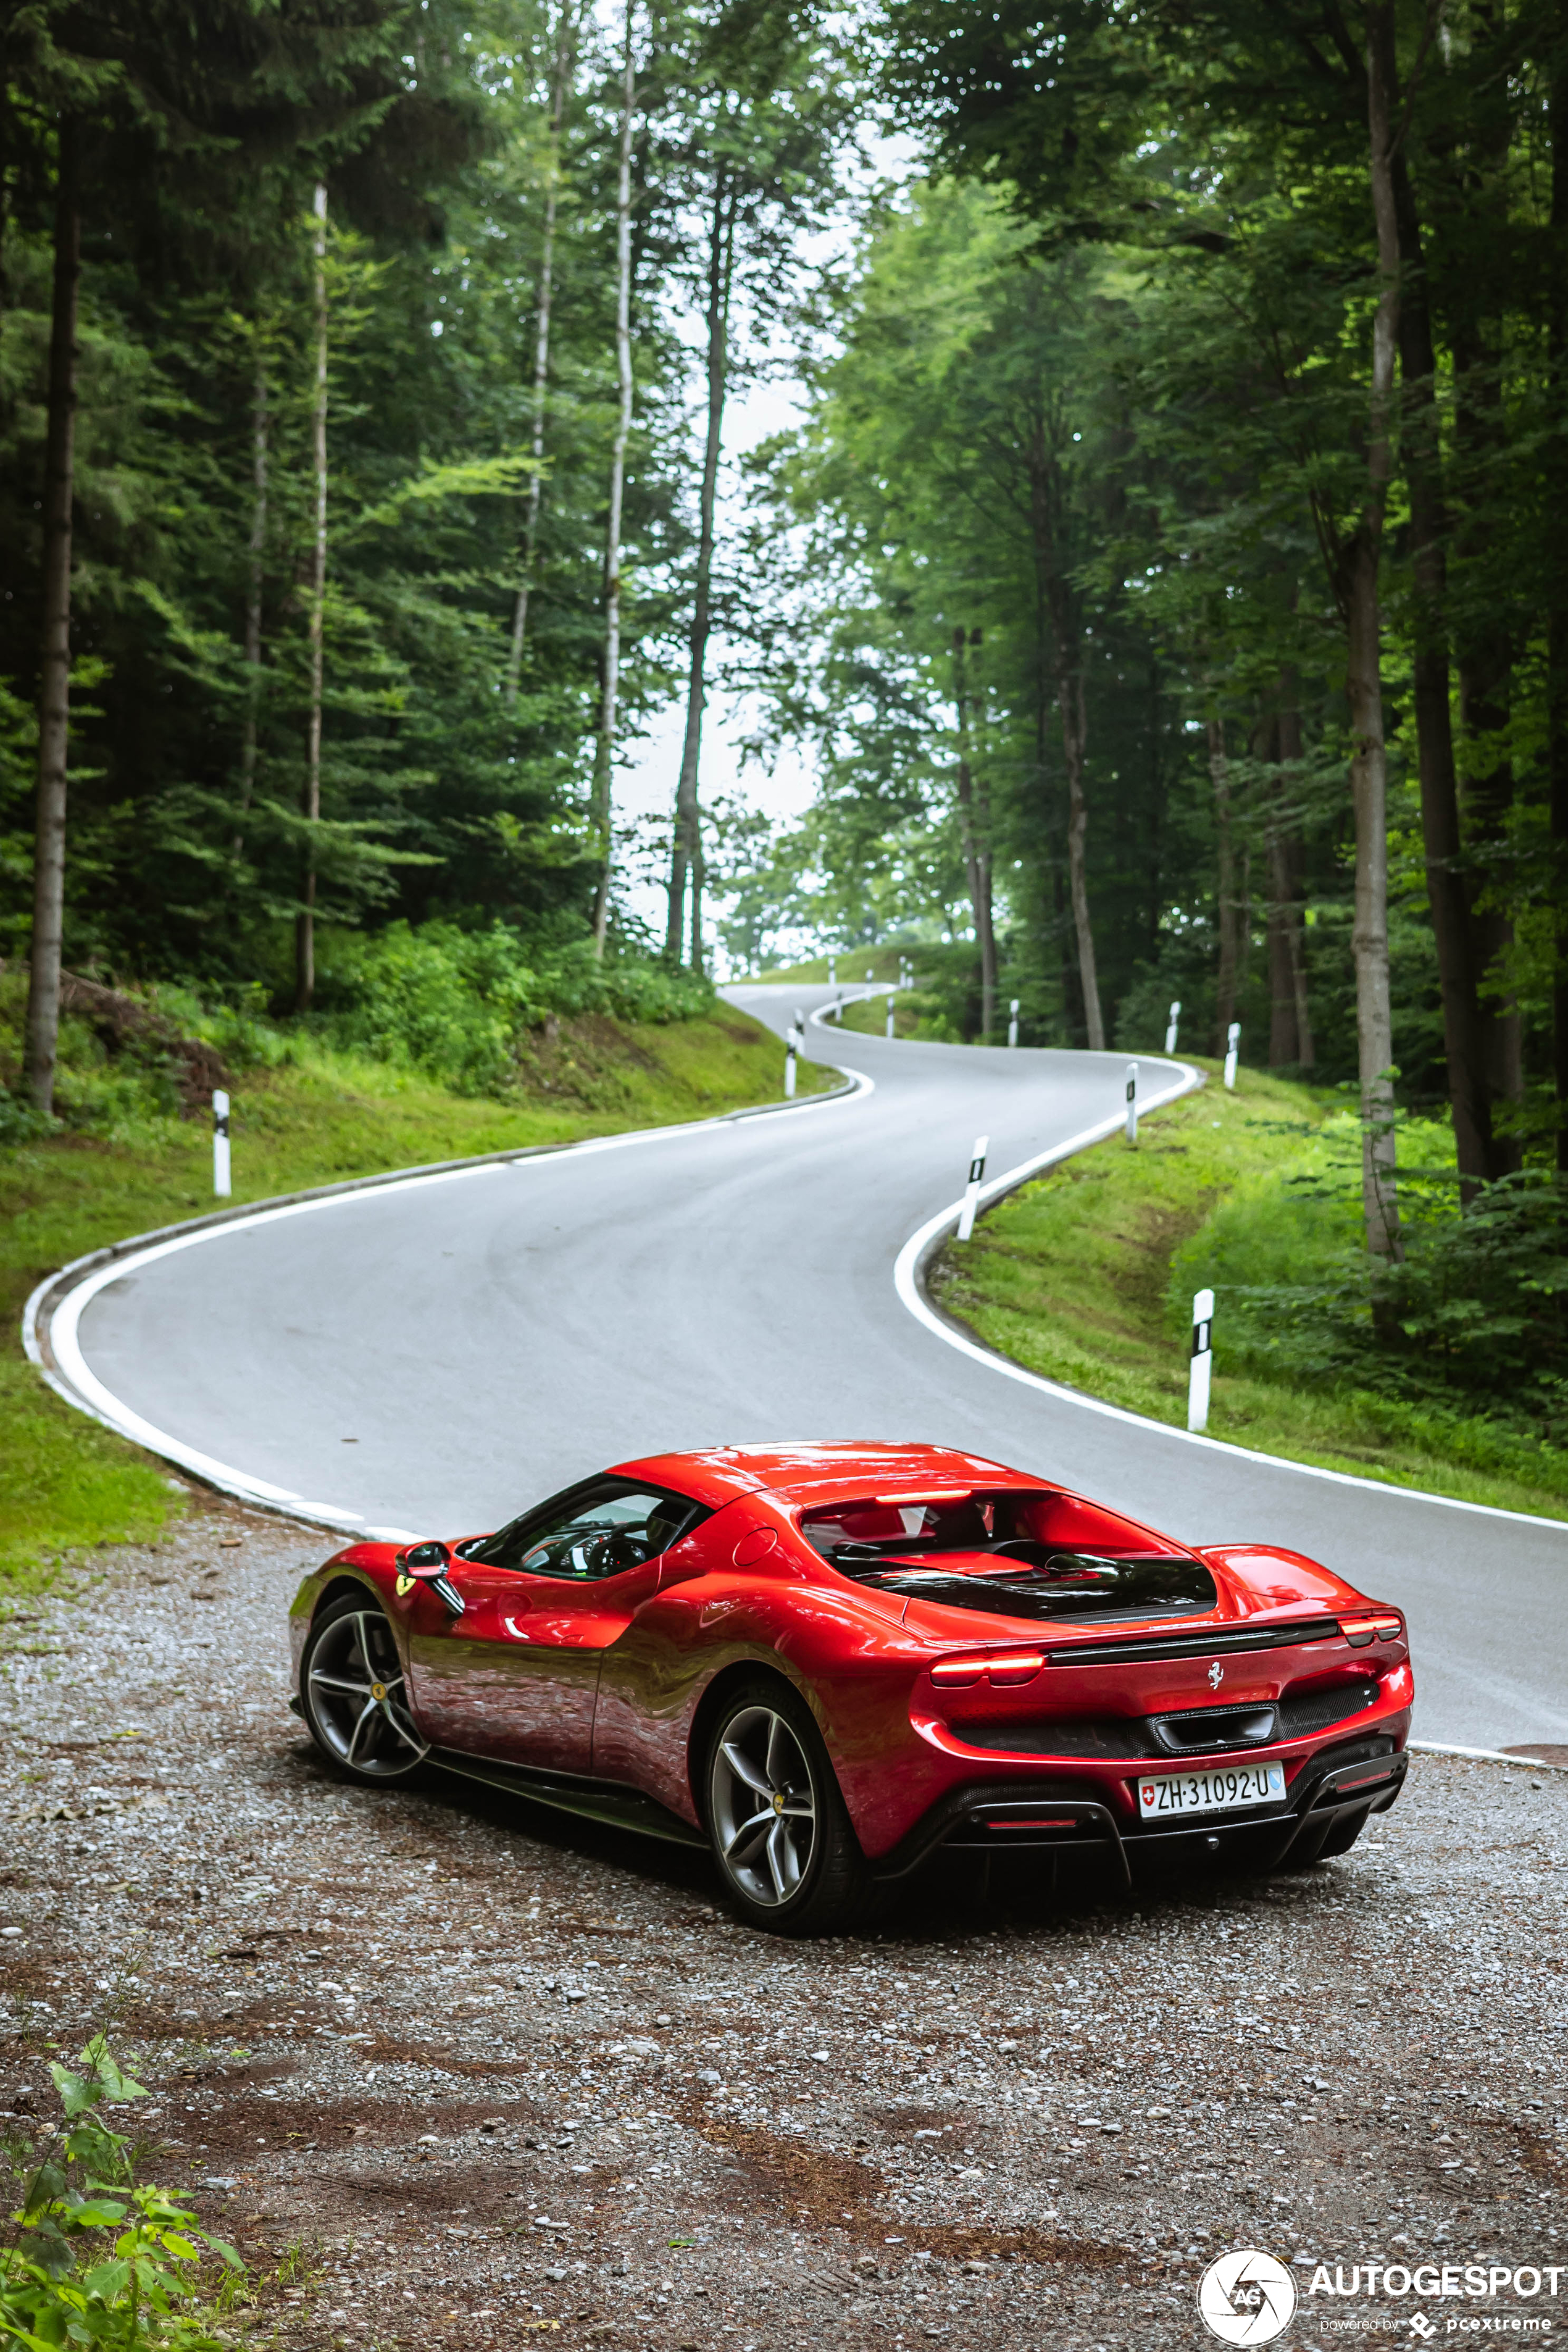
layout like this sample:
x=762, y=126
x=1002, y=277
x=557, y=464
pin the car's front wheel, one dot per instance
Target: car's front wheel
x=789, y=1858
x=352, y=1690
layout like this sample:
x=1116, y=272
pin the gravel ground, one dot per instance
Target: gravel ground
x=453, y=2074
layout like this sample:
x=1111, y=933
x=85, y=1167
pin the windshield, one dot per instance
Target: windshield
x=995, y=1553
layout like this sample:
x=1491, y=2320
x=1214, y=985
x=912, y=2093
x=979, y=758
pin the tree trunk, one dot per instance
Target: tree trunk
x=1441, y=841
x=1291, y=758
x=973, y=834
x=54, y=681
x=721, y=270
x=1483, y=641
x=311, y=794
x=255, y=582
x=1485, y=664
x=1290, y=1023
x=565, y=33
x=1364, y=683
x=698, y=876
x=603, y=748
x=1226, y=983
x=1055, y=591
x=1075, y=744
x=1557, y=618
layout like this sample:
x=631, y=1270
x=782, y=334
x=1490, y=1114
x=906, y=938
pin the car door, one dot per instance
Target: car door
x=516, y=1676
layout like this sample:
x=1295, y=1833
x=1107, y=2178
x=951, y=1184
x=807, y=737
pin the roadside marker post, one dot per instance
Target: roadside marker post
x=1232, y=1047
x=971, y=1190
x=1202, y=1368
x=789, y=1065
x=1013, y=1021
x=1171, y=1026
x=221, y=1184
x=1131, y=1102
x=891, y=994
x=832, y=971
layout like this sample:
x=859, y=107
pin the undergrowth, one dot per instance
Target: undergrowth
x=94, y=2255
x=1456, y=1383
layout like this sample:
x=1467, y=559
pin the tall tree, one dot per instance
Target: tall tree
x=604, y=749
x=974, y=828
x=54, y=658
x=560, y=84
x=310, y=791
x=759, y=113
x=686, y=850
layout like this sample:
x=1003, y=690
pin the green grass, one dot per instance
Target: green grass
x=851, y=965
x=914, y=1015
x=1085, y=1277
x=67, y=1485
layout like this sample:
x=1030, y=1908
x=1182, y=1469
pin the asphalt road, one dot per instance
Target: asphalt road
x=432, y=1357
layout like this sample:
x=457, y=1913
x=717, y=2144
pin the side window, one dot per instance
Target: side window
x=597, y=1532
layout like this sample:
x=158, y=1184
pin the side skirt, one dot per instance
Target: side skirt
x=597, y=1801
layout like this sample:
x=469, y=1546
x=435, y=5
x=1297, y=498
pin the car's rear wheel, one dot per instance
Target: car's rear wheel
x=788, y=1857
x=352, y=1690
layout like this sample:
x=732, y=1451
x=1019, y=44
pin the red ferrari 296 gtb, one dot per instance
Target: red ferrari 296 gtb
x=826, y=1660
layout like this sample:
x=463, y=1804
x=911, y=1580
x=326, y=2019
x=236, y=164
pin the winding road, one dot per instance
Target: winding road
x=427, y=1356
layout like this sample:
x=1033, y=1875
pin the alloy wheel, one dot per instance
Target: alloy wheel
x=763, y=1806
x=357, y=1698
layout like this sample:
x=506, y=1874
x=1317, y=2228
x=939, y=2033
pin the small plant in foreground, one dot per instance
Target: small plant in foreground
x=95, y=2256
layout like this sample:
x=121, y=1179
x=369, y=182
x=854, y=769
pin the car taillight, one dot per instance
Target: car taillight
x=995, y=1665
x=1381, y=1626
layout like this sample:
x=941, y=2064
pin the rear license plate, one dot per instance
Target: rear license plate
x=1216, y=1791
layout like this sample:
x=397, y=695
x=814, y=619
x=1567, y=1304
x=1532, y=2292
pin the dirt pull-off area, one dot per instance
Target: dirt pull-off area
x=451, y=2072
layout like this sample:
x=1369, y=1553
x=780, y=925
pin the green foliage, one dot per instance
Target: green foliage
x=1473, y=1321
x=456, y=1002
x=98, y=2257
x=1086, y=1276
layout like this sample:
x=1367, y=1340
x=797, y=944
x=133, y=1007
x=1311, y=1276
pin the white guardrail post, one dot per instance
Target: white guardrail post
x=971, y=1190
x=221, y=1184
x=1175, y=1015
x=1131, y=1102
x=1232, y=1047
x=1201, y=1368
x=1013, y=1021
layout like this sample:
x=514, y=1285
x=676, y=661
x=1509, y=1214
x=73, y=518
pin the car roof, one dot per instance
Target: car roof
x=819, y=1471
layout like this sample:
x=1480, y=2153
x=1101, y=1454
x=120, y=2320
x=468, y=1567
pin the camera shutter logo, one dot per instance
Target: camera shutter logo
x=1247, y=2297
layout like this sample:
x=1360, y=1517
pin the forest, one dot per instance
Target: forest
x=1164, y=578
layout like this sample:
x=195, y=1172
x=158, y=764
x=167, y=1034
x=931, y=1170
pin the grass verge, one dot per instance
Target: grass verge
x=67, y=1485
x=1072, y=1277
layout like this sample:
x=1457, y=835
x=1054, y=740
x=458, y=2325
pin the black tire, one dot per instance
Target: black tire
x=354, y=1697
x=800, y=1872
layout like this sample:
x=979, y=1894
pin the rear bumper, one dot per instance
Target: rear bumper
x=1063, y=1815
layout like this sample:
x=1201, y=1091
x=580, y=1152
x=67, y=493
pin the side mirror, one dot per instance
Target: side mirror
x=426, y=1563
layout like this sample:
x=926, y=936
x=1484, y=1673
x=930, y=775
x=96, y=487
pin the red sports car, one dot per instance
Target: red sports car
x=826, y=1660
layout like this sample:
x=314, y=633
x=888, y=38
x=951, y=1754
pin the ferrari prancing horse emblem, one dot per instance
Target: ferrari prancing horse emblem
x=1216, y=1675
x=404, y=1586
